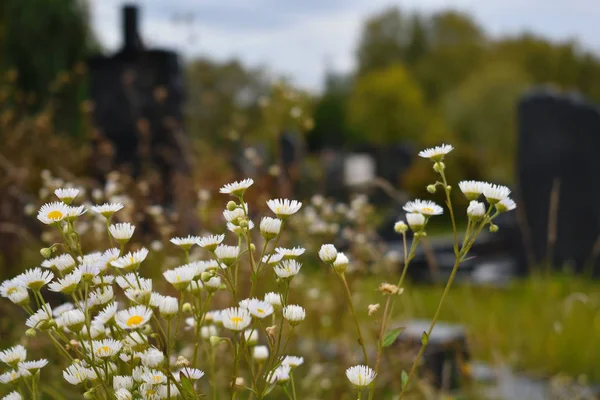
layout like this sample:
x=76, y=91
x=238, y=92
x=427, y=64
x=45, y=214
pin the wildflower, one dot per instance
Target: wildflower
x=130, y=261
x=152, y=358
x=436, y=153
x=52, y=213
x=185, y=243
x=12, y=376
x=58, y=311
x=388, y=288
x=73, y=319
x=122, y=232
x=66, y=195
x=35, y=278
x=373, y=308
x=101, y=296
x=272, y=259
x=208, y=331
x=328, y=253
x=236, y=318
x=134, y=317
x=107, y=315
x=290, y=253
x=14, y=355
x=506, y=204
x=74, y=212
x=341, y=263
x=274, y=299
x=472, y=189
x=251, y=335
x=168, y=306
x=210, y=243
x=14, y=395
x=281, y=374
x=495, y=193
x=270, y=227
x=400, y=227
x=62, y=263
x=259, y=308
x=89, y=270
x=360, y=376
x=66, y=285
x=293, y=361
x=154, y=377
x=238, y=230
x=284, y=208
x=236, y=188
x=235, y=215
x=107, y=257
x=476, y=210
x=424, y=207
x=287, y=269
x=107, y=209
x=190, y=373
x=106, y=348
x=123, y=394
x=77, y=373
x=34, y=365
x=40, y=318
x=180, y=277
x=294, y=314
x=416, y=221
x=19, y=296
x=227, y=254
x=260, y=353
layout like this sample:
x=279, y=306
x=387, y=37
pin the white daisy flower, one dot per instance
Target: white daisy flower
x=141, y=292
x=67, y=194
x=236, y=188
x=207, y=331
x=58, y=311
x=235, y=216
x=107, y=315
x=168, y=307
x=74, y=212
x=131, y=261
x=270, y=227
x=40, y=318
x=52, y=213
x=106, y=348
x=328, y=253
x=14, y=355
x=137, y=341
x=260, y=309
x=132, y=280
x=19, y=296
x=123, y=394
x=34, y=365
x=274, y=299
x=287, y=269
x=213, y=284
x=476, y=210
x=152, y=357
x=89, y=270
x=149, y=391
x=294, y=314
x=341, y=263
x=236, y=318
x=73, y=319
x=14, y=395
x=416, y=221
x=360, y=376
x=63, y=263
x=195, y=287
x=495, y=193
x=103, y=280
x=97, y=331
x=122, y=232
x=180, y=277
x=272, y=259
x=190, y=373
x=185, y=243
x=107, y=209
x=284, y=208
x=211, y=242
x=506, y=204
x=123, y=382
x=227, y=254
x=35, y=278
x=101, y=296
x=238, y=230
x=134, y=317
x=260, y=353
x=290, y=253
x=13, y=375
x=66, y=285
x=293, y=361
x=424, y=207
x=281, y=374
x=77, y=373
x=472, y=189
x=154, y=377
x=251, y=335
x=436, y=153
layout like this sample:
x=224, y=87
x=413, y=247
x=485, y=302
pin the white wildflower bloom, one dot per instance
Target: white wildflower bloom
x=251, y=336
x=284, y=208
x=341, y=263
x=154, y=377
x=190, y=373
x=77, y=373
x=234, y=216
x=424, y=207
x=107, y=209
x=106, y=348
x=185, y=243
x=287, y=269
x=281, y=374
x=272, y=259
x=495, y=193
x=66, y=285
x=198, y=267
x=472, y=189
x=360, y=376
x=244, y=303
x=131, y=281
x=14, y=395
x=328, y=253
x=35, y=278
x=168, y=307
x=260, y=353
x=122, y=382
x=270, y=227
x=97, y=331
x=103, y=280
x=62, y=263
x=152, y=357
x=107, y=315
x=149, y=391
x=238, y=230
x=40, y=318
x=52, y=213
x=73, y=319
x=131, y=260
x=274, y=299
x=140, y=294
x=476, y=210
x=213, y=284
x=290, y=253
x=34, y=365
x=236, y=188
x=195, y=287
x=207, y=331
x=416, y=221
x=236, y=318
x=74, y=212
x=506, y=204
x=259, y=308
x=14, y=355
x=89, y=270
x=211, y=242
x=13, y=375
x=138, y=372
x=180, y=277
x=63, y=308
x=293, y=361
x=294, y=314
x=134, y=317
x=19, y=296
x=122, y=232
x=227, y=254
x=101, y=296
x=123, y=394
x=436, y=153
x=67, y=194
x=135, y=340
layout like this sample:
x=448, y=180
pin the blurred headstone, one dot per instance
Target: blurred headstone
x=359, y=169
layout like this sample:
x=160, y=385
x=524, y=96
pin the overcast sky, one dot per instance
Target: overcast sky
x=300, y=38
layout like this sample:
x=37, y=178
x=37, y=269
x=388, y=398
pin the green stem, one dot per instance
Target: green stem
x=360, y=337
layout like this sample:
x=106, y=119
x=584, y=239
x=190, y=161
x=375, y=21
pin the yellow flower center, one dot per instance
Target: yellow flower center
x=103, y=350
x=11, y=290
x=55, y=214
x=260, y=310
x=236, y=320
x=150, y=392
x=134, y=320
x=427, y=210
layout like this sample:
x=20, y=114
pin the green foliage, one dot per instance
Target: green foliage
x=391, y=336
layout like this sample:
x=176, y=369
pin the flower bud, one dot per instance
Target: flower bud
x=439, y=167
x=231, y=205
x=243, y=223
x=90, y=394
x=215, y=341
x=493, y=228
x=30, y=332
x=252, y=248
x=431, y=188
x=186, y=308
x=476, y=210
x=240, y=381
x=340, y=263
x=328, y=253
x=416, y=221
x=206, y=276
x=46, y=252
x=400, y=227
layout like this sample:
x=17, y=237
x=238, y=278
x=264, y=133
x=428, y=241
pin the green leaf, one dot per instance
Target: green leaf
x=404, y=379
x=391, y=336
x=424, y=339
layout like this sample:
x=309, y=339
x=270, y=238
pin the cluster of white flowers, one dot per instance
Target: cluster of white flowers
x=119, y=334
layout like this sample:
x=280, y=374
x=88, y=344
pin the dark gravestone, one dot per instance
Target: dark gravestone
x=557, y=164
x=138, y=96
